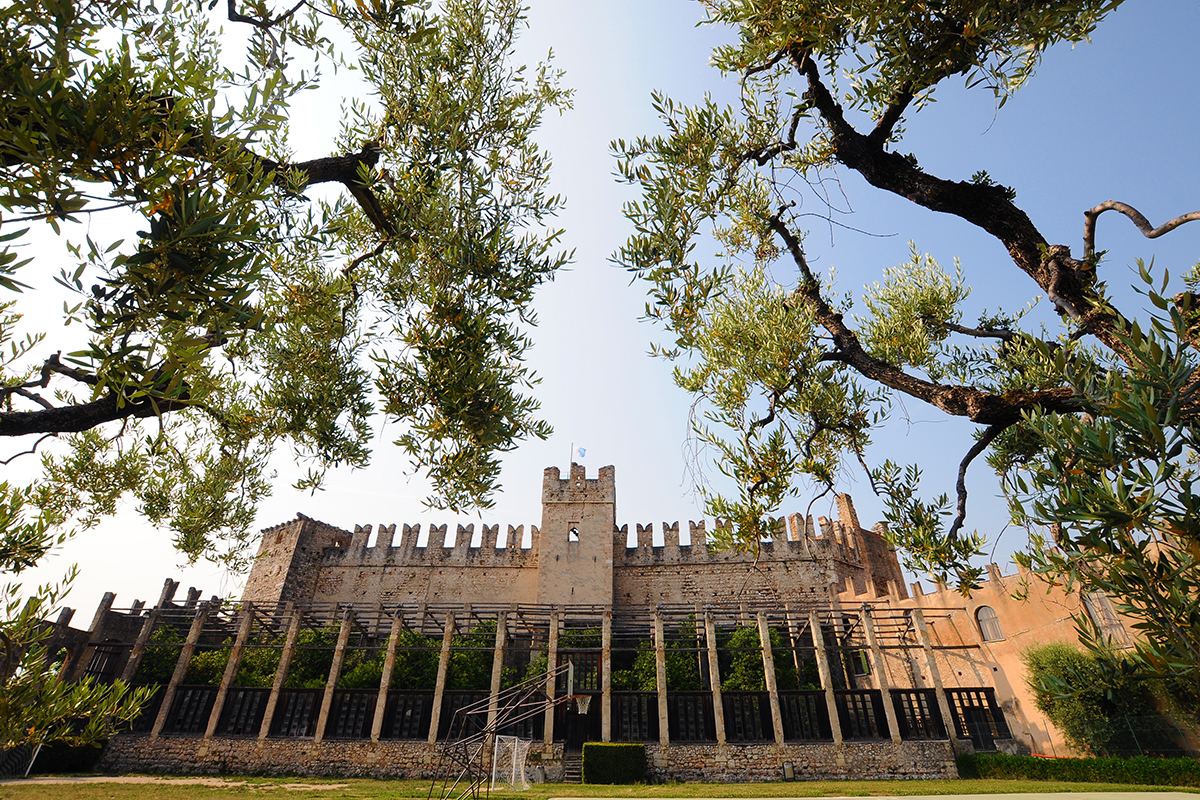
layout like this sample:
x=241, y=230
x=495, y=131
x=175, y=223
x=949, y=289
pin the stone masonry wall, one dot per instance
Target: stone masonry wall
x=578, y=556
x=175, y=755
x=418, y=760
x=811, y=761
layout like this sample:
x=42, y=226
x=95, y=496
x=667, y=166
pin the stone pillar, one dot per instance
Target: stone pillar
x=139, y=645
x=922, y=629
x=714, y=678
x=606, y=676
x=551, y=678
x=185, y=657
x=835, y=722
x=764, y=638
x=877, y=663
x=231, y=668
x=439, y=688
x=792, y=637
x=74, y=668
x=497, y=669
x=335, y=671
x=285, y=661
x=660, y=671
x=385, y=680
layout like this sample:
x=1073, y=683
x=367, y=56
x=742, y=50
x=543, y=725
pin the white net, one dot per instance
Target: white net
x=508, y=762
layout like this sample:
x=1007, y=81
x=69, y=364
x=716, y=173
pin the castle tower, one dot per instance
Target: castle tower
x=289, y=555
x=575, y=548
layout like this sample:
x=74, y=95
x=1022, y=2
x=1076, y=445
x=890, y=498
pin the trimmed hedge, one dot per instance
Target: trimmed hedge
x=55, y=759
x=1141, y=770
x=610, y=762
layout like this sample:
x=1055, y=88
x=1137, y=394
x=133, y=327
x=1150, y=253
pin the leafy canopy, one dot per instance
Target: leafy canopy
x=262, y=300
x=1090, y=426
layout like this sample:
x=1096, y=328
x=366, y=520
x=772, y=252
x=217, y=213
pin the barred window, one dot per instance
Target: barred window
x=989, y=624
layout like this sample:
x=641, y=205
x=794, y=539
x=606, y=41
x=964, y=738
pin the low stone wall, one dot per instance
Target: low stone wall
x=418, y=760
x=811, y=761
x=175, y=755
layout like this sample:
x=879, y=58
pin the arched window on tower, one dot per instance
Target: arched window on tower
x=989, y=624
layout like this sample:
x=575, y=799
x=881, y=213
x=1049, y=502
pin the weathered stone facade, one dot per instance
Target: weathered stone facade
x=822, y=605
x=577, y=556
x=418, y=760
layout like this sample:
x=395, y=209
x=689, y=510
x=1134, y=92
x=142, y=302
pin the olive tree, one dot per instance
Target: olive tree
x=228, y=297
x=1091, y=427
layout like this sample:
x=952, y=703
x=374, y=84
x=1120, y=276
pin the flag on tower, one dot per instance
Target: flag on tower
x=582, y=452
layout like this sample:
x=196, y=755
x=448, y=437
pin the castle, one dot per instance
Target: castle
x=577, y=556
x=350, y=652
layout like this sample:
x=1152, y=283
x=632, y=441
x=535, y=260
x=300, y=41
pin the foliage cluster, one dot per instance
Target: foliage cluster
x=742, y=663
x=1091, y=706
x=1090, y=425
x=682, y=663
x=471, y=655
x=35, y=706
x=250, y=313
x=614, y=762
x=1138, y=771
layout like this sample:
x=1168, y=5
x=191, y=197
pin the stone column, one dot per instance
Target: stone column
x=139, y=645
x=877, y=663
x=764, y=638
x=231, y=668
x=835, y=722
x=714, y=678
x=792, y=637
x=606, y=677
x=497, y=668
x=385, y=680
x=73, y=669
x=439, y=688
x=660, y=671
x=185, y=657
x=922, y=629
x=335, y=671
x=285, y=661
x=551, y=678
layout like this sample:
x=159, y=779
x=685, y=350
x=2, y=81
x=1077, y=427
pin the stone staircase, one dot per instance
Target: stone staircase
x=572, y=768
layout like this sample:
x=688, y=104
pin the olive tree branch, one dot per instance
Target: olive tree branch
x=1066, y=280
x=985, y=408
x=30, y=451
x=961, y=487
x=262, y=24
x=1143, y=224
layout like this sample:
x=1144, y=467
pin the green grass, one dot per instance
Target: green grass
x=351, y=789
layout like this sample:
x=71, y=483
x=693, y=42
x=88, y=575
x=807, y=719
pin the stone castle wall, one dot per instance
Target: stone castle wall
x=578, y=555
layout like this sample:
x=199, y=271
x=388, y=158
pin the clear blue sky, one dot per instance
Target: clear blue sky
x=1114, y=119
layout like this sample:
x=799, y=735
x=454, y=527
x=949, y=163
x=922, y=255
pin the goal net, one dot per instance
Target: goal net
x=508, y=762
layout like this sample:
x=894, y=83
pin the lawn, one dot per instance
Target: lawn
x=317, y=789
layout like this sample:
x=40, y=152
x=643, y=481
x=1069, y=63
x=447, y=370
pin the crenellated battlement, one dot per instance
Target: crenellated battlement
x=438, y=549
x=796, y=538
x=578, y=554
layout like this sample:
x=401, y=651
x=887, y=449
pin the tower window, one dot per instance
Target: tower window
x=573, y=533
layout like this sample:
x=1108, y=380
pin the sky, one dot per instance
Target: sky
x=1114, y=119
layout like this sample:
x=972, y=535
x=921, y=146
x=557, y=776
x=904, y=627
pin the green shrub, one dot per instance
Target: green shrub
x=1141, y=770
x=743, y=670
x=1091, y=705
x=605, y=762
